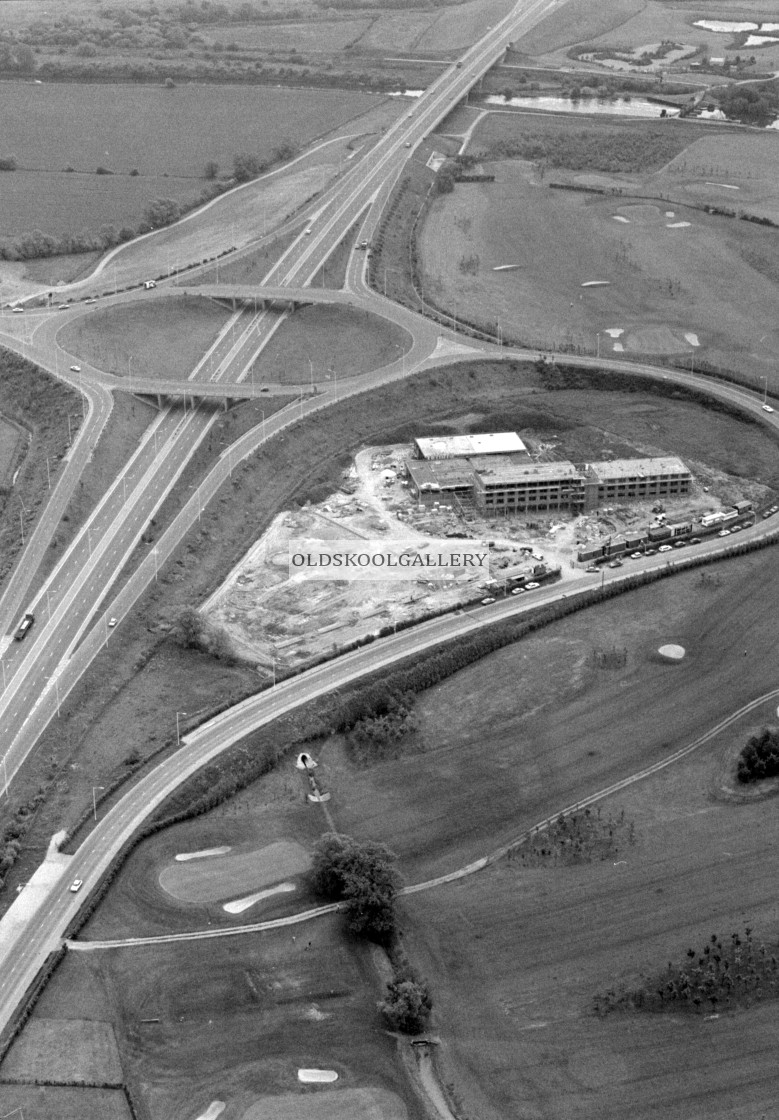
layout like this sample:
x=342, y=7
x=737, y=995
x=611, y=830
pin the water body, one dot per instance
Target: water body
x=637, y=107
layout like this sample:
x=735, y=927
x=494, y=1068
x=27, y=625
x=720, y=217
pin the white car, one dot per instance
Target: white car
x=636, y=555
x=75, y=369
x=76, y=885
x=517, y=590
x=664, y=548
x=724, y=533
x=767, y=408
x=531, y=586
x=111, y=623
x=18, y=310
x=90, y=300
x=488, y=599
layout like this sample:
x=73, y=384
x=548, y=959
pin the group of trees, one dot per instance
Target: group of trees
x=363, y=876
x=752, y=104
x=192, y=630
x=760, y=757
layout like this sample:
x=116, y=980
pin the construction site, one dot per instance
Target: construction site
x=280, y=619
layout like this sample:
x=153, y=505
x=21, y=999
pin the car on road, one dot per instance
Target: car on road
x=64, y=306
x=531, y=586
x=724, y=533
x=695, y=540
x=636, y=555
x=518, y=590
x=488, y=599
x=75, y=369
x=18, y=310
x=149, y=284
x=308, y=232
x=650, y=552
x=737, y=528
x=76, y=885
x=90, y=300
x=680, y=544
x=407, y=144
x=24, y=626
x=592, y=568
x=111, y=623
x=459, y=66
x=664, y=548
x=767, y=408
x=615, y=564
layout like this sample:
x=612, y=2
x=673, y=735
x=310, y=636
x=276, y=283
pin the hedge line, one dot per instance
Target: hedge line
x=25, y=1009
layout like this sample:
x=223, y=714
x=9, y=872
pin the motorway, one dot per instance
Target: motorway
x=62, y=645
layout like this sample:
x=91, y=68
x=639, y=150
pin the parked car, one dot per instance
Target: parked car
x=636, y=555
x=592, y=568
x=518, y=590
x=664, y=548
x=615, y=564
x=488, y=599
x=531, y=586
x=695, y=540
x=724, y=533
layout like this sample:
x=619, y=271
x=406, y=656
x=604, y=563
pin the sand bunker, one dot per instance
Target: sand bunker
x=208, y=880
x=692, y=338
x=677, y=225
x=614, y=332
x=338, y=1104
x=238, y=905
x=182, y=857
x=317, y=1076
x=621, y=218
x=672, y=652
x=213, y=1110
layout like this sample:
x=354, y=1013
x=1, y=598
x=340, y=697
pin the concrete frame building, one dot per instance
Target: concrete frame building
x=496, y=473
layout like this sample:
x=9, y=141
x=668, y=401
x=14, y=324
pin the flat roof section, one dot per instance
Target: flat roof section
x=637, y=468
x=504, y=474
x=448, y=447
x=441, y=474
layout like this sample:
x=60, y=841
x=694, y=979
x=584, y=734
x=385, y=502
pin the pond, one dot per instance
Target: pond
x=636, y=107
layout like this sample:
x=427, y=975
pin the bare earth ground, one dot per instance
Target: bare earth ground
x=156, y=338
x=670, y=287
x=239, y=1017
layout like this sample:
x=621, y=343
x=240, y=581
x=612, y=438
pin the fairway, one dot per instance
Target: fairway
x=65, y=1050
x=334, y=1104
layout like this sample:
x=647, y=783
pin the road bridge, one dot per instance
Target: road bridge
x=264, y=296
x=165, y=389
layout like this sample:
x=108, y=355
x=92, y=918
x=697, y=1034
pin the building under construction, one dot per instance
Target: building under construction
x=497, y=475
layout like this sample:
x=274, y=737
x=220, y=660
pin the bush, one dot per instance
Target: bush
x=760, y=757
x=407, y=1005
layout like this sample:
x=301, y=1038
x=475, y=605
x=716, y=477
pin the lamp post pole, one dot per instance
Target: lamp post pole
x=94, y=800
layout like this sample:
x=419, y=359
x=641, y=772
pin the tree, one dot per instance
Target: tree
x=189, y=629
x=211, y=169
x=407, y=1005
x=364, y=877
x=246, y=167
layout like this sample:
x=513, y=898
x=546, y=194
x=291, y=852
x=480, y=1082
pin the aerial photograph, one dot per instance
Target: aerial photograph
x=389, y=523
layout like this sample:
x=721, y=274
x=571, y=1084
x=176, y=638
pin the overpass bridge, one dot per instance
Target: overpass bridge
x=227, y=392
x=263, y=296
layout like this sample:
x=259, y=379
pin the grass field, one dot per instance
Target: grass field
x=337, y=341
x=9, y=444
x=44, y=1102
x=65, y=1050
x=156, y=338
x=239, y=1017
x=666, y=281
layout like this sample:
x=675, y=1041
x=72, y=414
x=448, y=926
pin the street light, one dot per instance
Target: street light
x=5, y=777
x=94, y=800
x=56, y=692
x=764, y=379
x=597, y=336
x=178, y=732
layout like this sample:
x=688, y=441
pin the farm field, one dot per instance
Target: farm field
x=149, y=127
x=158, y=337
x=668, y=272
x=65, y=1050
x=237, y=1019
